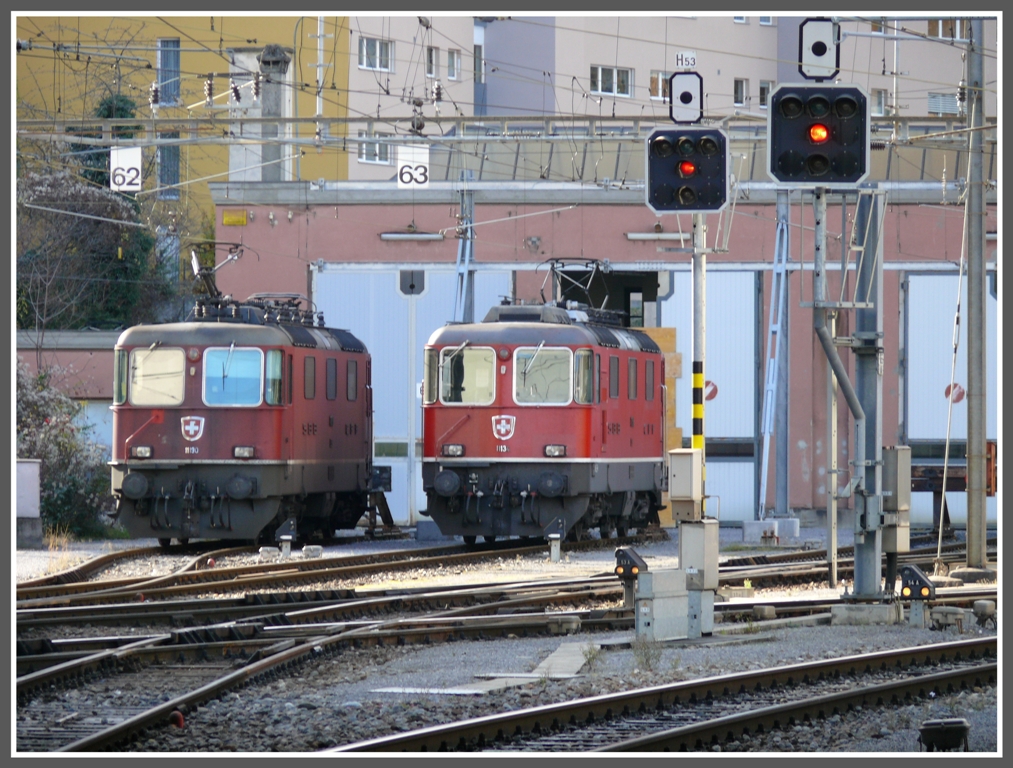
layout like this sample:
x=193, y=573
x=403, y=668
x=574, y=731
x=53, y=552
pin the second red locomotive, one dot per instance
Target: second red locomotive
x=248, y=416
x=542, y=419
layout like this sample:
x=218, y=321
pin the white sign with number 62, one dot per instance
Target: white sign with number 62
x=125, y=169
x=413, y=166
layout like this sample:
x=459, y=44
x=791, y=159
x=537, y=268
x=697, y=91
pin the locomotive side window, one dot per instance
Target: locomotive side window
x=631, y=379
x=649, y=380
x=332, y=378
x=288, y=389
x=156, y=376
x=309, y=377
x=467, y=375
x=542, y=376
x=597, y=378
x=272, y=380
x=583, y=381
x=613, y=376
x=430, y=372
x=120, y=377
x=233, y=376
x=352, y=391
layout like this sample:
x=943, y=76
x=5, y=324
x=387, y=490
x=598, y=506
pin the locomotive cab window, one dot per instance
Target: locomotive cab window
x=233, y=376
x=542, y=376
x=467, y=375
x=156, y=376
x=272, y=379
x=430, y=375
x=583, y=381
x=120, y=377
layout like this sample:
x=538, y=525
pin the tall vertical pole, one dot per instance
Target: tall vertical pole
x=464, y=303
x=868, y=348
x=699, y=342
x=975, y=212
x=781, y=430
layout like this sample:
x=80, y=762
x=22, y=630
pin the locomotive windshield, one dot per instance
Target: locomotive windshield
x=233, y=375
x=156, y=376
x=542, y=376
x=467, y=375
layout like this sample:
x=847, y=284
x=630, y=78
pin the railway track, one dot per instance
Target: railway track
x=199, y=578
x=687, y=715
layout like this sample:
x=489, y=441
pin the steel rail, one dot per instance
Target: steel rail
x=465, y=734
x=700, y=735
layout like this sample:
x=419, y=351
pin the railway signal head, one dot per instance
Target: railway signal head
x=818, y=135
x=687, y=170
x=915, y=585
x=685, y=97
x=629, y=564
x=819, y=52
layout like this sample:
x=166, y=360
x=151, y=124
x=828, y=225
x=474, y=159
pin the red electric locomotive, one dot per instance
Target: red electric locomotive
x=541, y=420
x=247, y=416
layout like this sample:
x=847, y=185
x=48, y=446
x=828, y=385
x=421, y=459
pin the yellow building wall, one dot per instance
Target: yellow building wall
x=76, y=61
x=665, y=339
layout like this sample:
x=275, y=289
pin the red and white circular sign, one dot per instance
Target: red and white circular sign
x=958, y=393
x=710, y=390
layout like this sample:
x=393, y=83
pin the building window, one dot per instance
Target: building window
x=949, y=29
x=739, y=19
x=375, y=54
x=432, y=62
x=479, y=65
x=374, y=151
x=613, y=81
x=167, y=63
x=767, y=21
x=878, y=26
x=741, y=94
x=943, y=104
x=453, y=65
x=168, y=168
x=766, y=86
x=879, y=102
x=659, y=84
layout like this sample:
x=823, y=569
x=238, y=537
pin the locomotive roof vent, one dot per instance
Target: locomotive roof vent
x=536, y=313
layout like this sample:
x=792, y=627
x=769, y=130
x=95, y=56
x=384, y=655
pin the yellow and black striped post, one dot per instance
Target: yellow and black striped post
x=699, y=345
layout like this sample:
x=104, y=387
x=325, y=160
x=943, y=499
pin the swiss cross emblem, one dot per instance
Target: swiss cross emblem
x=503, y=426
x=193, y=427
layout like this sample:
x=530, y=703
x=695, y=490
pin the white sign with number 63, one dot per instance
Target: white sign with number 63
x=413, y=166
x=125, y=169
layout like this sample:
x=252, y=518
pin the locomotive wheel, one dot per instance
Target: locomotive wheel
x=469, y=540
x=489, y=539
x=621, y=531
x=577, y=532
x=164, y=543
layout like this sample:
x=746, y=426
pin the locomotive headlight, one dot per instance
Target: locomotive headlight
x=243, y=451
x=140, y=452
x=452, y=449
x=555, y=451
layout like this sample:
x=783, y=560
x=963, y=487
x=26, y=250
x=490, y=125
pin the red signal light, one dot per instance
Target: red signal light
x=818, y=133
x=687, y=168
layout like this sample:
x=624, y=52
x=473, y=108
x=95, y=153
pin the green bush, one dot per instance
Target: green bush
x=73, y=476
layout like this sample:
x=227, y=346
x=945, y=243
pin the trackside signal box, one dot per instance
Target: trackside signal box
x=685, y=483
